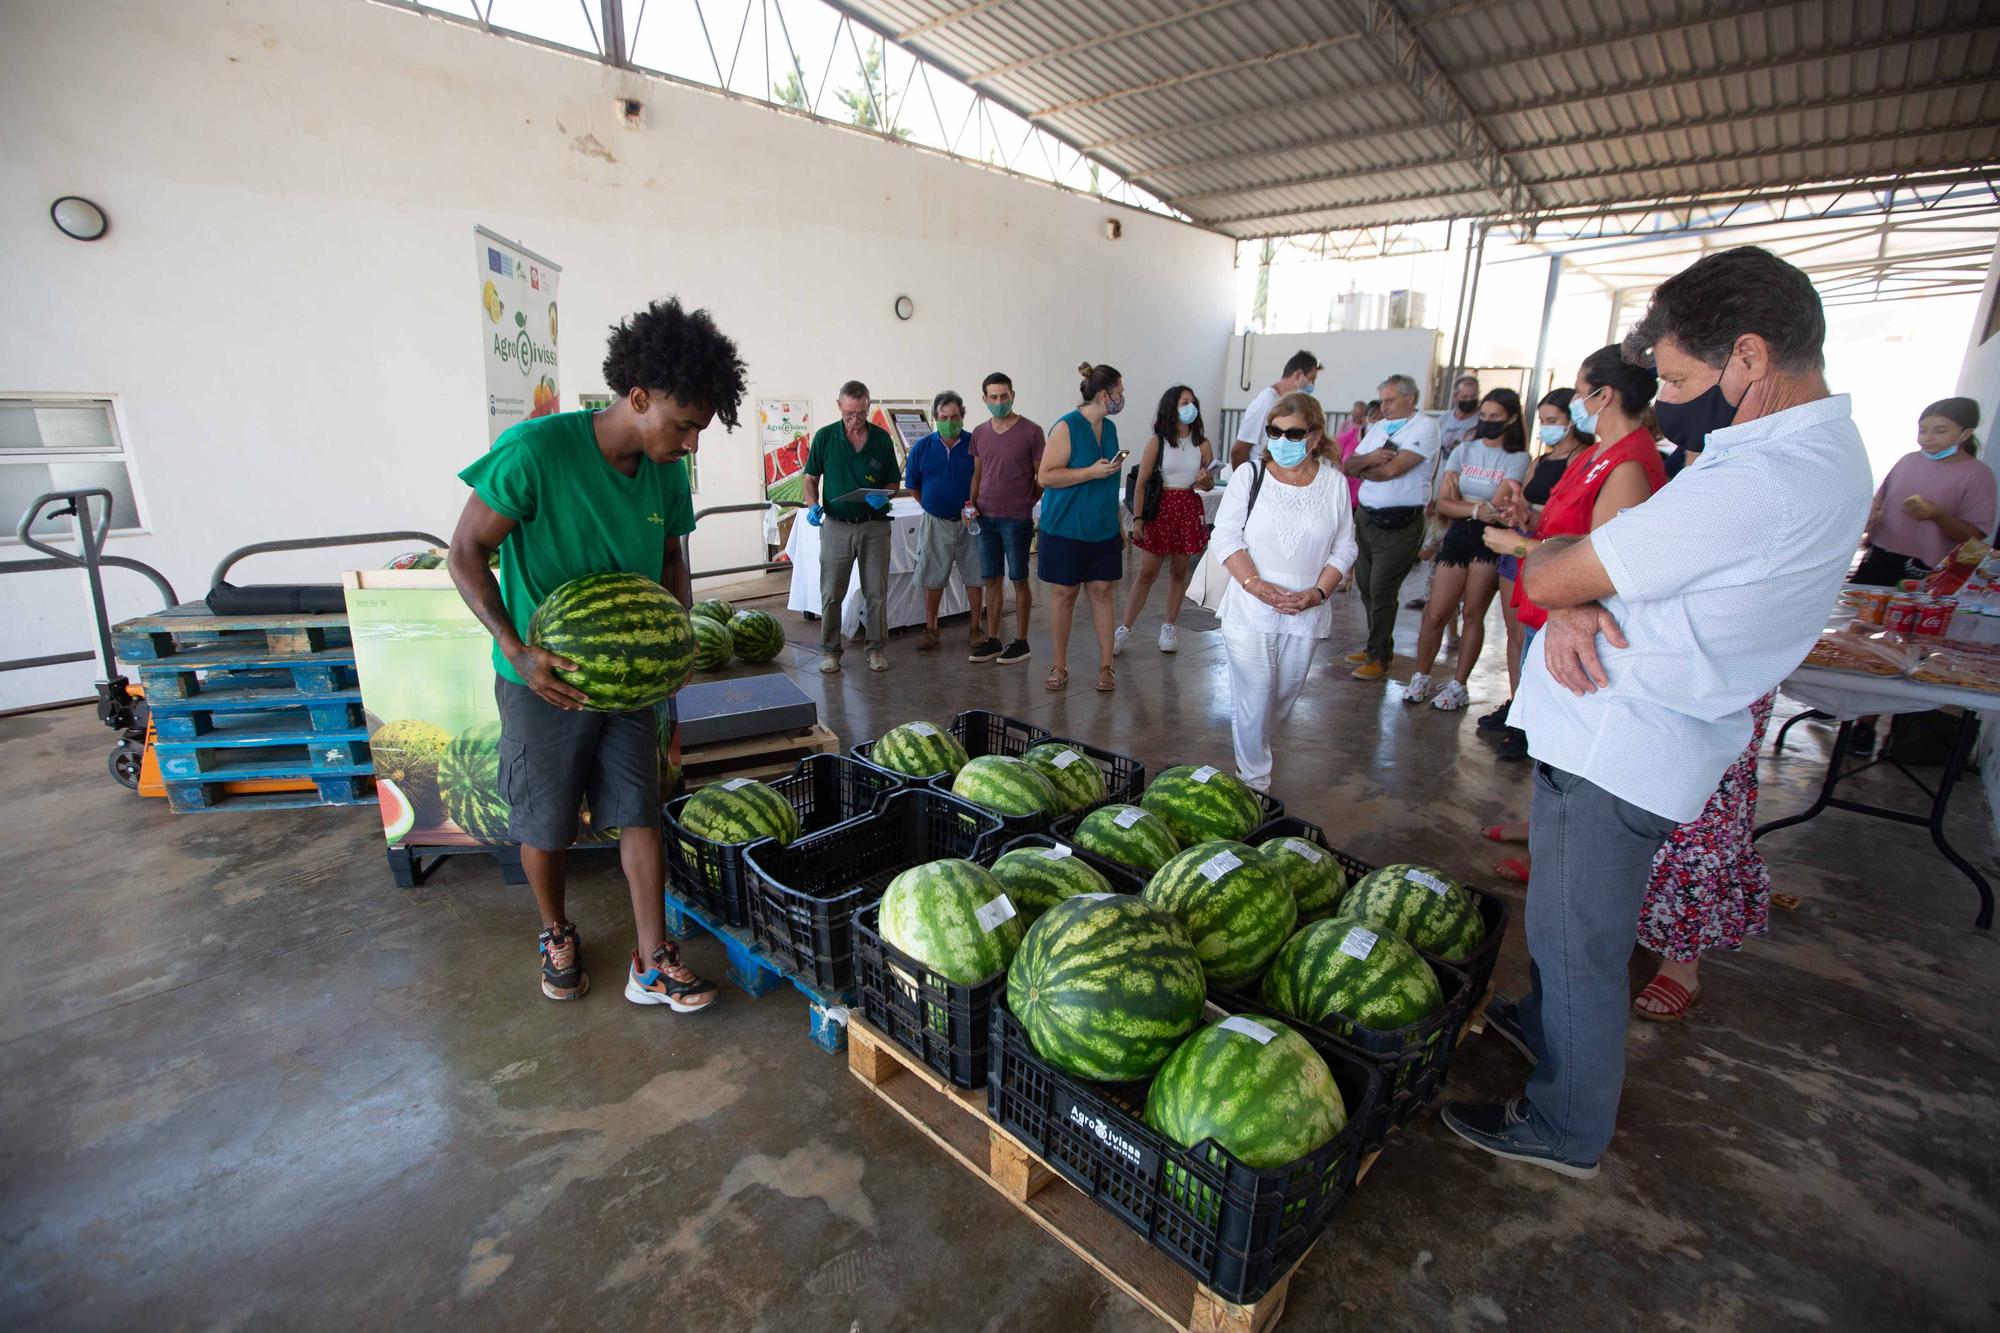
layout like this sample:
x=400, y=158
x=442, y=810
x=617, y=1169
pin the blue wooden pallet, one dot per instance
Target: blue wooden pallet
x=232, y=669
x=215, y=711
x=207, y=795
x=752, y=969
x=191, y=628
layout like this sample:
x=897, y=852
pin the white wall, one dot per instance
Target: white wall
x=1354, y=361
x=285, y=303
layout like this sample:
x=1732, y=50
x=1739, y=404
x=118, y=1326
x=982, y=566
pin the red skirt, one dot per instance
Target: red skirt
x=1178, y=529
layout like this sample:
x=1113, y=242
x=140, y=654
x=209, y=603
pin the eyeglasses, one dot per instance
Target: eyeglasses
x=1295, y=434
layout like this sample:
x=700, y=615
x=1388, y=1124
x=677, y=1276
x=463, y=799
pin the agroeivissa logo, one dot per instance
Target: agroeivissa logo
x=522, y=349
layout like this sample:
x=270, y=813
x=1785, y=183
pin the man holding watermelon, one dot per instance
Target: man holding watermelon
x=1704, y=597
x=564, y=496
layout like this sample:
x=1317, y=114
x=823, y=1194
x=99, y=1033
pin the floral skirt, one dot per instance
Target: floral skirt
x=1178, y=528
x=1710, y=888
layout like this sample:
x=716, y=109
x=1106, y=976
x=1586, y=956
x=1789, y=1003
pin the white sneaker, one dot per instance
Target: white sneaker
x=1451, y=698
x=1118, y=640
x=1170, y=639
x=1418, y=690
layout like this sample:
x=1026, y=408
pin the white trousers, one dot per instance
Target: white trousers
x=1266, y=673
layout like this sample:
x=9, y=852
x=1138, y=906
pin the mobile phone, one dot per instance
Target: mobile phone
x=1124, y=454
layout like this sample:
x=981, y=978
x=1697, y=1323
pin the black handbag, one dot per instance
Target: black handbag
x=1147, y=507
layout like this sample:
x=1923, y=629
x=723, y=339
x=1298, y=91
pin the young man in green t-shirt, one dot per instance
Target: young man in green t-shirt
x=593, y=493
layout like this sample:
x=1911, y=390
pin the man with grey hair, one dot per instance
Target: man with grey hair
x=1665, y=625
x=1392, y=461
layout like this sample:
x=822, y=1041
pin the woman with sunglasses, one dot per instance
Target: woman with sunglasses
x=1285, y=533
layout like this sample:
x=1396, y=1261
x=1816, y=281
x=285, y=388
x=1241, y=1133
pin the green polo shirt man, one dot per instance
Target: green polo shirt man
x=849, y=455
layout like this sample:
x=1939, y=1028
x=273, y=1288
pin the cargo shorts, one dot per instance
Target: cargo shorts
x=941, y=544
x=553, y=759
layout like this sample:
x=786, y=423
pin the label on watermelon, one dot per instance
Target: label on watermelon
x=995, y=914
x=1129, y=816
x=922, y=729
x=734, y=783
x=1360, y=942
x=1066, y=758
x=1215, y=867
x=1428, y=880
x=1306, y=849
x=1056, y=853
x=1250, y=1028
x=1204, y=773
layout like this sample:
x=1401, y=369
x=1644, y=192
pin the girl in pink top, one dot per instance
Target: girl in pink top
x=1350, y=439
x=1935, y=497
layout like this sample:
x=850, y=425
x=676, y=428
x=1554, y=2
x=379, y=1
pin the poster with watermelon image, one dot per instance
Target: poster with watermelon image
x=784, y=429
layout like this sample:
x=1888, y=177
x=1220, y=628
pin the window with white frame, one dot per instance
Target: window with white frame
x=62, y=442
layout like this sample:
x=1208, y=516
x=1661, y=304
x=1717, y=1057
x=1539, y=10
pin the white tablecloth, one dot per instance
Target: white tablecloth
x=905, y=597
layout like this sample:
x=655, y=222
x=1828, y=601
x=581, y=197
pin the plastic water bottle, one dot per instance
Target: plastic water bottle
x=972, y=516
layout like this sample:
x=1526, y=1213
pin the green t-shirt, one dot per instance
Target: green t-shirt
x=842, y=468
x=574, y=513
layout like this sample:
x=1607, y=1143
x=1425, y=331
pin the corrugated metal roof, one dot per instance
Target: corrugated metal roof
x=1274, y=117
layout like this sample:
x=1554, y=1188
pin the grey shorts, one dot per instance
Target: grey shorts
x=942, y=543
x=553, y=759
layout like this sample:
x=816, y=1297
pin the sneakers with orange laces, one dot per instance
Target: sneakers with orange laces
x=563, y=977
x=667, y=982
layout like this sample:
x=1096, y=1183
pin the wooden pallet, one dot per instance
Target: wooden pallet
x=956, y=1120
x=759, y=974
x=769, y=756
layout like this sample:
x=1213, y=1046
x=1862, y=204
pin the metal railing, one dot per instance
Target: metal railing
x=765, y=567
x=90, y=558
x=315, y=543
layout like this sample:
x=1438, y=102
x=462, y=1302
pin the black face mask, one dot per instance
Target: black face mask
x=1688, y=424
x=1489, y=430
x=1467, y=406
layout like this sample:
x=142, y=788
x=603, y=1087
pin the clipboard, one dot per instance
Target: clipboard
x=860, y=494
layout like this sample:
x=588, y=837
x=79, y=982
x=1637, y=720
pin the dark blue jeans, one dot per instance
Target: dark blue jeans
x=1593, y=856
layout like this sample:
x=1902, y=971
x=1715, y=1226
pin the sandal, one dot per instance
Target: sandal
x=1496, y=833
x=1107, y=680
x=1664, y=990
x=1514, y=870
x=1058, y=679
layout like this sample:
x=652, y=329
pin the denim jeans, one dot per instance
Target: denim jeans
x=1008, y=537
x=1593, y=856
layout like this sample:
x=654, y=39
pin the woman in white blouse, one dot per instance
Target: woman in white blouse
x=1287, y=540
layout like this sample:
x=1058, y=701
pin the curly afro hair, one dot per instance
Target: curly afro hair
x=665, y=349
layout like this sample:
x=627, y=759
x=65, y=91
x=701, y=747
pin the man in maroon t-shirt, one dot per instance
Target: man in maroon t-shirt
x=1005, y=454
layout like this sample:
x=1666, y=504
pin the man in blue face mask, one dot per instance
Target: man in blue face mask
x=1301, y=375
x=1393, y=462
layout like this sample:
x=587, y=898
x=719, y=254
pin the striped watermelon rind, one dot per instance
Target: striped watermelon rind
x=918, y=750
x=469, y=780
x=1105, y=988
x=757, y=634
x=1222, y=808
x=713, y=643
x=1037, y=881
x=1315, y=875
x=1145, y=846
x=629, y=637
x=1238, y=915
x=739, y=811
x=1314, y=980
x=1005, y=786
x=932, y=913
x=1077, y=780
x=1445, y=923
x=713, y=608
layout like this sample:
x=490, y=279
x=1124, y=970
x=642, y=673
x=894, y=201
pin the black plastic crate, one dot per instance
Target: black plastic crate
x=1237, y=1229
x=804, y=894
x=942, y=1023
x=825, y=790
x=981, y=733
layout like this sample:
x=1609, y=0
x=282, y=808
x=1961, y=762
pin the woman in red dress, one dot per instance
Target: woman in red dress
x=1178, y=532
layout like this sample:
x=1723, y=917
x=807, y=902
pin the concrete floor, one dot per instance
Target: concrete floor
x=244, y=1080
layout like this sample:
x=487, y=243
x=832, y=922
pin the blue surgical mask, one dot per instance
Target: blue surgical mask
x=1940, y=455
x=1309, y=387
x=1552, y=435
x=1391, y=427
x=1188, y=413
x=1286, y=453
x=1586, y=421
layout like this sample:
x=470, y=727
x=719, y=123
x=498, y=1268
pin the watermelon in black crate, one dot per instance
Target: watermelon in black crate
x=975, y=732
x=939, y=1021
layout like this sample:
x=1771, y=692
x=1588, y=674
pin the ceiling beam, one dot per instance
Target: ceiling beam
x=1102, y=39
x=945, y=20
x=1196, y=75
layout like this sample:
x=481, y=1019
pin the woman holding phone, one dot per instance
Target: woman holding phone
x=1082, y=546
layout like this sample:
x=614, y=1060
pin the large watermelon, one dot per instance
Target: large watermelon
x=1037, y=878
x=1342, y=971
x=629, y=637
x=714, y=608
x=758, y=635
x=1006, y=786
x=1317, y=881
x=1077, y=780
x=1106, y=987
x=469, y=780
x=954, y=917
x=1254, y=1086
x=1128, y=835
x=1426, y=907
x=918, y=750
x=738, y=811
x=1203, y=804
x=713, y=644
x=1235, y=905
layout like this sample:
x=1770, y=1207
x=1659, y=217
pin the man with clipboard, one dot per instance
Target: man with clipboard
x=854, y=460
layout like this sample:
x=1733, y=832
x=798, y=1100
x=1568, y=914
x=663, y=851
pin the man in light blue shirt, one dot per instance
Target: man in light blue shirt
x=1704, y=599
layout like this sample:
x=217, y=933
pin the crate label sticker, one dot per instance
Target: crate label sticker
x=1360, y=942
x=1204, y=773
x=1306, y=849
x=1129, y=816
x=1066, y=758
x=1215, y=867
x=922, y=729
x=995, y=914
x=1249, y=1027
x=1428, y=880
x=735, y=783
x=1126, y=1149
x=1057, y=852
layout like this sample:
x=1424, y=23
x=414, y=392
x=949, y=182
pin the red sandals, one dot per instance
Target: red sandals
x=1675, y=998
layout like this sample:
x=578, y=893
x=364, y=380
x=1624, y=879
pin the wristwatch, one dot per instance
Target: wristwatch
x=1520, y=550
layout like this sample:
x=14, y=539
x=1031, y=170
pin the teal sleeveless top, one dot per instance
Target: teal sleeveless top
x=1088, y=511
